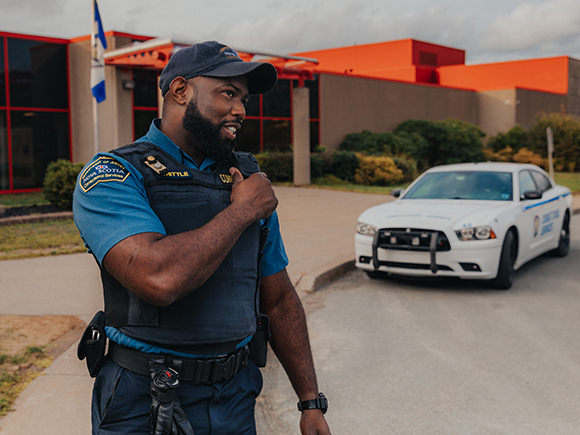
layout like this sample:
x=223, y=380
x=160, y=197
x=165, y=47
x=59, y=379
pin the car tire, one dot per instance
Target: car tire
x=505, y=273
x=564, y=242
x=375, y=274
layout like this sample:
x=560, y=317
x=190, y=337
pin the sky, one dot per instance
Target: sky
x=488, y=30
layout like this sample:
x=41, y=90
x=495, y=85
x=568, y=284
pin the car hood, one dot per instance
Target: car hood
x=436, y=214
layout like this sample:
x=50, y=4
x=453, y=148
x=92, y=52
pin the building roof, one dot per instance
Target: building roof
x=407, y=60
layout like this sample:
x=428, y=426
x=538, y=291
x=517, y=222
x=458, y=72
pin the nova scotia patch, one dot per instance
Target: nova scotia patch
x=102, y=170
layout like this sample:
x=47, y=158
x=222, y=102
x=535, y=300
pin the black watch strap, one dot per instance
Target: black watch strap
x=319, y=403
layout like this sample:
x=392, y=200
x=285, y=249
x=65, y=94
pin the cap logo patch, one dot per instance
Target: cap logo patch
x=102, y=170
x=229, y=52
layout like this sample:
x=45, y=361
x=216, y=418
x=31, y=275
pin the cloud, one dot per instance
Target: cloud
x=534, y=25
x=33, y=7
x=326, y=24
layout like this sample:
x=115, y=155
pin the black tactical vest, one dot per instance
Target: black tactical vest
x=224, y=308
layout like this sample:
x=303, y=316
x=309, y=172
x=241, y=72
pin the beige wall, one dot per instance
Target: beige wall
x=115, y=113
x=531, y=104
x=496, y=111
x=352, y=104
x=573, y=105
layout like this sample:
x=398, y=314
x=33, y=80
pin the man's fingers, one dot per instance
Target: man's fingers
x=237, y=176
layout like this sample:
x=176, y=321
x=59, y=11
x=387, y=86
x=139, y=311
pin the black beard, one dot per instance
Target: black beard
x=205, y=135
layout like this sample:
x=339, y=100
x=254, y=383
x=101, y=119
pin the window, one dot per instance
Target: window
x=483, y=186
x=145, y=92
x=276, y=103
x=142, y=121
x=38, y=138
x=4, y=161
x=249, y=136
x=268, y=124
x=144, y=101
x=2, y=75
x=277, y=135
x=526, y=183
x=37, y=74
x=541, y=181
x=34, y=112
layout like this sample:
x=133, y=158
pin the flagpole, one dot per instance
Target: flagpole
x=96, y=139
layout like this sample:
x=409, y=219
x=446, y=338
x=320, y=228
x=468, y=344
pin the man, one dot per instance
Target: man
x=178, y=224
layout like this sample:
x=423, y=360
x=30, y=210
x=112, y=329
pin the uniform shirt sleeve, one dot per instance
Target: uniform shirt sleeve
x=274, y=255
x=110, y=204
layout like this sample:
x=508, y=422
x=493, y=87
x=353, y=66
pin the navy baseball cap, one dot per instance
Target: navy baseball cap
x=212, y=59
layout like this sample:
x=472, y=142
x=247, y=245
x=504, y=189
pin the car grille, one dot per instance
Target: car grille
x=411, y=239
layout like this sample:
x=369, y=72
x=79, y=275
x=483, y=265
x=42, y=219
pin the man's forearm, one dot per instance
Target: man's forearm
x=290, y=340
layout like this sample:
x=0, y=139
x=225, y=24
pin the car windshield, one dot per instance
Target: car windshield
x=490, y=186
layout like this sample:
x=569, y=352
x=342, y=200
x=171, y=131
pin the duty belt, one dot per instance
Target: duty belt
x=197, y=371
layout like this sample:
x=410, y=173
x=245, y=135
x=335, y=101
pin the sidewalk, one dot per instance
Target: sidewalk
x=318, y=228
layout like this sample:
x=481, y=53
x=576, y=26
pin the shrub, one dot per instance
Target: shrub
x=377, y=170
x=279, y=166
x=318, y=164
x=524, y=155
x=407, y=166
x=504, y=155
x=329, y=180
x=59, y=182
x=515, y=138
x=343, y=164
x=444, y=142
x=566, y=130
x=373, y=143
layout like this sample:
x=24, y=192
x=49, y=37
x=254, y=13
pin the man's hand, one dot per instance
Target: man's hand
x=313, y=422
x=254, y=196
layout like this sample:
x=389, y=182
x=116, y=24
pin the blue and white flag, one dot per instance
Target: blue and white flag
x=98, y=46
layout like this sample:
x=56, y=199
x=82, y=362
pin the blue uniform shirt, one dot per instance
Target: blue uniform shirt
x=110, y=204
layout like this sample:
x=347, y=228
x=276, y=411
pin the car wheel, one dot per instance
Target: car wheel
x=564, y=243
x=505, y=273
x=375, y=274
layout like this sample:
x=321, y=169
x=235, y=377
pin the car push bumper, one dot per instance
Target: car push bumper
x=433, y=256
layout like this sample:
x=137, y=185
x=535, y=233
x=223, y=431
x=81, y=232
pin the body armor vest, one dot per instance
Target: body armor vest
x=224, y=308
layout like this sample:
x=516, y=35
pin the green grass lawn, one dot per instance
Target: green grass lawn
x=569, y=179
x=36, y=239
x=22, y=199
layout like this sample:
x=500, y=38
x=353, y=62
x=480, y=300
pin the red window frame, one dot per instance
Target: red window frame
x=8, y=108
x=261, y=118
x=139, y=108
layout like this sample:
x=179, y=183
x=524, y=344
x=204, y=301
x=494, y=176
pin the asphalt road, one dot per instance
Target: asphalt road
x=446, y=357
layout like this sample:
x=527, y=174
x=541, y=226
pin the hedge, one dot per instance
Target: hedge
x=59, y=182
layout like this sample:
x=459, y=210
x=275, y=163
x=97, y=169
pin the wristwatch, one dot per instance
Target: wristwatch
x=321, y=402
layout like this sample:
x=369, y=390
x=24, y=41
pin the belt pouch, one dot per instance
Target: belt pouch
x=259, y=343
x=93, y=343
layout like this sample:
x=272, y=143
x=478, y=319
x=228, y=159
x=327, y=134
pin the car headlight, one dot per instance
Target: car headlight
x=365, y=229
x=475, y=233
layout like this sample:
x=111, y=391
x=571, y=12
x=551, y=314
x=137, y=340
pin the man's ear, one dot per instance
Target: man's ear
x=178, y=89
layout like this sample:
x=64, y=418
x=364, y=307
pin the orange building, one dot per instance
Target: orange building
x=321, y=96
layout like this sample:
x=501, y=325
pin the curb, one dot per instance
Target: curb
x=13, y=220
x=324, y=275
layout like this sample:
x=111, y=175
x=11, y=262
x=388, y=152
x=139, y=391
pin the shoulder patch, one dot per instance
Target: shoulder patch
x=102, y=170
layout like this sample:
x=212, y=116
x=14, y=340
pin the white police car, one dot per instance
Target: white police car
x=471, y=220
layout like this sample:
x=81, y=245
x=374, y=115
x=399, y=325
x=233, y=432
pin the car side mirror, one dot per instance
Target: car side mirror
x=532, y=194
x=397, y=192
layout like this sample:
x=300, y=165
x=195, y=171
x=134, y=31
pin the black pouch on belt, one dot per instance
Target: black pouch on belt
x=259, y=343
x=167, y=416
x=93, y=343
